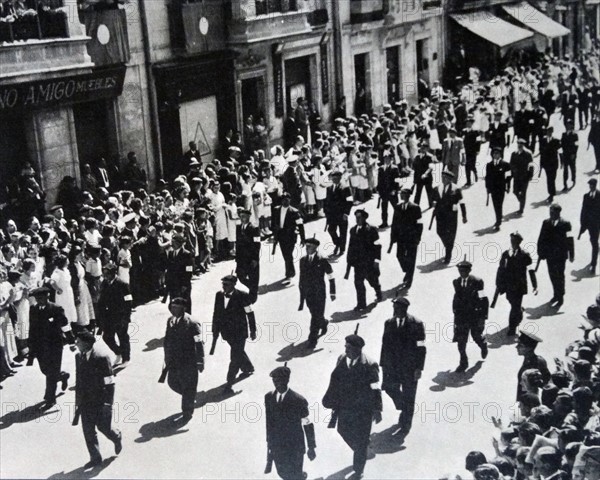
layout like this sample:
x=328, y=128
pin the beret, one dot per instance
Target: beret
x=86, y=336
x=179, y=301
x=312, y=241
x=402, y=301
x=229, y=278
x=281, y=372
x=355, y=341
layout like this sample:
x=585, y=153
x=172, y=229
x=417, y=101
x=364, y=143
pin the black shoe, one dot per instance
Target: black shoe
x=324, y=329
x=342, y=251
x=186, y=418
x=378, y=296
x=47, y=405
x=383, y=225
x=64, y=381
x=336, y=251
x=484, y=351
x=553, y=300
x=462, y=367
x=311, y=343
x=227, y=389
x=119, y=444
x=93, y=463
x=592, y=269
x=559, y=303
x=360, y=308
x=512, y=331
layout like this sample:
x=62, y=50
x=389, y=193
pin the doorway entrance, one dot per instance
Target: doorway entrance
x=423, y=59
x=297, y=81
x=392, y=61
x=91, y=128
x=361, y=83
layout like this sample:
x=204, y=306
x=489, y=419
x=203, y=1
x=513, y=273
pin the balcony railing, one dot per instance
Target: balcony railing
x=37, y=19
x=267, y=7
x=318, y=17
x=197, y=27
x=366, y=11
x=429, y=4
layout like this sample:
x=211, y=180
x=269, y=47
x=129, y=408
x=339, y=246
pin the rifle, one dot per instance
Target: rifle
x=163, y=375
x=379, y=202
x=334, y=416
x=487, y=201
x=269, y=465
x=274, y=245
x=432, y=217
x=533, y=279
x=214, y=344
x=537, y=265
x=165, y=297
x=301, y=307
x=76, y=417
x=326, y=225
x=495, y=299
x=347, y=274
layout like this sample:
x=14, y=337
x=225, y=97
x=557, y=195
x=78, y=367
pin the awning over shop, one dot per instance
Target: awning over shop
x=535, y=20
x=491, y=28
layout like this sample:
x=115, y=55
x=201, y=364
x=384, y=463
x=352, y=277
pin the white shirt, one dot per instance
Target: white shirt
x=280, y=396
x=226, y=298
x=400, y=322
x=311, y=257
x=351, y=362
x=464, y=282
x=282, y=216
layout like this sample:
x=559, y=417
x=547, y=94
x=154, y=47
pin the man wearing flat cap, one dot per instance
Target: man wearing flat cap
x=288, y=423
x=497, y=133
x=114, y=313
x=286, y=223
x=406, y=234
x=48, y=331
x=247, y=254
x=184, y=355
x=402, y=360
x=470, y=309
x=570, y=144
x=232, y=318
x=364, y=255
x=526, y=346
x=511, y=279
x=555, y=245
x=446, y=199
x=313, y=269
x=355, y=398
x=497, y=181
x=290, y=181
x=423, y=173
x=338, y=204
x=590, y=220
x=521, y=166
x=388, y=183
x=95, y=395
x=453, y=154
x=180, y=268
x=549, y=160
x=472, y=144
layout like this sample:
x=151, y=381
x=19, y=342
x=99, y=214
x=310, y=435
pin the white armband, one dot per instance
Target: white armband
x=66, y=328
x=189, y=268
x=305, y=421
x=198, y=338
x=420, y=343
x=374, y=386
x=481, y=294
x=248, y=309
x=257, y=239
x=330, y=276
x=569, y=235
x=109, y=380
x=128, y=298
x=455, y=208
x=507, y=173
x=398, y=181
x=349, y=199
x=299, y=221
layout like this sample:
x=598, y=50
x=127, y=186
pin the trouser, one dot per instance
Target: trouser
x=584, y=113
x=249, y=276
x=403, y=393
x=289, y=465
x=516, y=313
x=287, y=250
x=597, y=155
x=355, y=428
x=97, y=416
x=184, y=381
x=238, y=359
x=123, y=348
x=520, y=191
x=370, y=273
x=316, y=305
x=594, y=232
x=551, y=181
x=428, y=189
x=532, y=139
x=569, y=165
x=50, y=362
x=462, y=329
x=335, y=224
x=385, y=201
x=471, y=166
x=407, y=257
x=497, y=201
x=447, y=234
x=556, y=271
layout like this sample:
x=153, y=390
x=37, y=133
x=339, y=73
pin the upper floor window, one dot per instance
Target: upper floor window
x=32, y=19
x=265, y=7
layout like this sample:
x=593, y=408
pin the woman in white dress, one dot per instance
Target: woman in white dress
x=7, y=334
x=28, y=281
x=83, y=299
x=219, y=208
x=61, y=283
x=124, y=259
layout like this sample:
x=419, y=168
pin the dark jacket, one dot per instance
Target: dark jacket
x=364, y=247
x=421, y=164
x=521, y=165
x=312, y=275
x=183, y=343
x=47, y=330
x=338, y=202
x=496, y=176
x=114, y=304
x=180, y=267
x=232, y=322
x=292, y=222
x=247, y=244
x=590, y=211
x=285, y=432
x=553, y=243
x=387, y=181
x=95, y=378
x=403, y=348
x=467, y=301
x=549, y=153
x=406, y=228
x=512, y=272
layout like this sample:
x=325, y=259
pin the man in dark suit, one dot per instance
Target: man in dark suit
x=540, y=119
x=447, y=197
x=291, y=182
x=387, y=186
x=114, y=312
x=402, y=360
x=192, y=152
x=528, y=342
x=288, y=422
x=338, y=204
x=286, y=223
x=555, y=245
x=102, y=175
x=184, y=355
x=95, y=395
x=301, y=118
x=570, y=144
x=179, y=271
x=470, y=313
x=590, y=219
x=232, y=318
x=422, y=173
x=49, y=328
x=497, y=180
x=521, y=166
x=355, y=398
x=511, y=279
x=247, y=254
x=313, y=269
x=364, y=255
x=549, y=147
x=406, y=233
x=472, y=143
x=497, y=133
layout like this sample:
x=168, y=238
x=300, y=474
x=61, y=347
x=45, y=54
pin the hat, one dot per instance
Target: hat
x=470, y=118
x=286, y=195
x=281, y=372
x=55, y=208
x=362, y=211
x=406, y=190
x=233, y=148
x=516, y=235
x=355, y=341
x=497, y=113
x=593, y=313
x=243, y=211
x=312, y=241
x=529, y=339
x=229, y=278
x=194, y=162
x=14, y=275
x=336, y=173
x=464, y=264
x=452, y=129
x=448, y=173
x=521, y=141
x=40, y=291
x=110, y=267
x=496, y=149
x=402, y=301
x=593, y=181
x=86, y=336
x=179, y=301
x=555, y=206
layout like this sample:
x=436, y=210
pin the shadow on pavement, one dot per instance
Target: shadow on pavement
x=500, y=339
x=350, y=315
x=26, y=415
x=153, y=344
x=84, y=472
x=542, y=203
x=214, y=395
x=272, y=287
x=591, y=173
x=296, y=351
x=451, y=379
x=166, y=427
x=512, y=215
x=544, y=310
x=485, y=231
x=340, y=475
x=433, y=266
x=582, y=273
x=384, y=443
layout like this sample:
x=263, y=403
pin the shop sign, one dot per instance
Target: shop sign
x=324, y=73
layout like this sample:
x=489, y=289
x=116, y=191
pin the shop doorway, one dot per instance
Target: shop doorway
x=13, y=155
x=253, y=98
x=198, y=122
x=297, y=81
x=91, y=129
x=361, y=83
x=423, y=59
x=392, y=60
